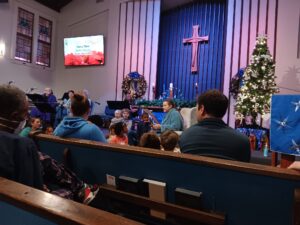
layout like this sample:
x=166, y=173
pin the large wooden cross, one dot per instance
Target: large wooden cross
x=195, y=39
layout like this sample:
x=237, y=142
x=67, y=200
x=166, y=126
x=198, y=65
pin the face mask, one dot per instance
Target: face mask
x=20, y=127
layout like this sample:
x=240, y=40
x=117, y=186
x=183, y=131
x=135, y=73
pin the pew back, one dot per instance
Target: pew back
x=247, y=193
x=20, y=204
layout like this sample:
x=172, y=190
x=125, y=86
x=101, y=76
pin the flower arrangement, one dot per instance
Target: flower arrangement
x=95, y=58
x=135, y=85
x=236, y=83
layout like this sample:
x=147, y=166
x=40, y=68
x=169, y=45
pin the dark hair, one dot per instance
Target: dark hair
x=12, y=99
x=150, y=140
x=79, y=105
x=170, y=102
x=71, y=91
x=215, y=103
x=32, y=119
x=144, y=114
x=169, y=140
x=119, y=128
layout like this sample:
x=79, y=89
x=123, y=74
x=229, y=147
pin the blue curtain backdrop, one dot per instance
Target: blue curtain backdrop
x=174, y=57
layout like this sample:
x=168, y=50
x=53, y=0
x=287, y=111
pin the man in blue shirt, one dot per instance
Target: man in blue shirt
x=211, y=136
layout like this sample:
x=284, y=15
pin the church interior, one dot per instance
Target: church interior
x=138, y=57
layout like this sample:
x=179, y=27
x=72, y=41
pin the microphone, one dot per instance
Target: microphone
x=31, y=89
x=98, y=103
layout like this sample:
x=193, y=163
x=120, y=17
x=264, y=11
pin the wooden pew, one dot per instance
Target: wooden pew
x=198, y=216
x=20, y=204
x=246, y=193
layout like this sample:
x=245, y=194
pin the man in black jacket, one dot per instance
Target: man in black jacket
x=211, y=136
x=19, y=159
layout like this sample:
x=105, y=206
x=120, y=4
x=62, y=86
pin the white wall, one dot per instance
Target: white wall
x=24, y=76
x=103, y=82
x=282, y=29
x=288, y=39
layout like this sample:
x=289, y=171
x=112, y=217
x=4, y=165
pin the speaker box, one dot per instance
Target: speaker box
x=4, y=1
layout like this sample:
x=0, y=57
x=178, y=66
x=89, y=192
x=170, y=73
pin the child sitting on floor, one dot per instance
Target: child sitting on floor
x=150, y=140
x=120, y=137
x=118, y=117
x=126, y=119
x=169, y=141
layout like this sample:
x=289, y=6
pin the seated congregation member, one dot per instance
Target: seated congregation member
x=150, y=140
x=35, y=125
x=118, y=117
x=169, y=141
x=111, y=132
x=133, y=111
x=77, y=126
x=19, y=159
x=48, y=130
x=85, y=93
x=172, y=120
x=67, y=103
x=126, y=118
x=120, y=134
x=47, y=117
x=211, y=136
x=143, y=126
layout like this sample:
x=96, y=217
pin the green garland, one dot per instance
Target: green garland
x=158, y=102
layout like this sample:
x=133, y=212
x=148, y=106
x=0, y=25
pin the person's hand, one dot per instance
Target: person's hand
x=156, y=126
x=295, y=166
x=45, y=188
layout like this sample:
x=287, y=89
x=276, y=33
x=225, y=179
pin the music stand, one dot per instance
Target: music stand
x=118, y=104
x=40, y=102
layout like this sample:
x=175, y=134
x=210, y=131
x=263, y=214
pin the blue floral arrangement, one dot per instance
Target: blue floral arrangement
x=236, y=83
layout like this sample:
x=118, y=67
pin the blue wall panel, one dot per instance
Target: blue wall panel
x=174, y=57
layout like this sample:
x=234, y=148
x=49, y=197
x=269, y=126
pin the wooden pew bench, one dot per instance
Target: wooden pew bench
x=20, y=204
x=175, y=214
x=246, y=193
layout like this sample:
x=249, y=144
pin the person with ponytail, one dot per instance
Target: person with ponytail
x=76, y=125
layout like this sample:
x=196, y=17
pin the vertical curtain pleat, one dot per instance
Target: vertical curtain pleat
x=174, y=58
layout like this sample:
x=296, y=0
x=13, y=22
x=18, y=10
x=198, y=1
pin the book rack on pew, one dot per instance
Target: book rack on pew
x=20, y=204
x=186, y=214
x=247, y=193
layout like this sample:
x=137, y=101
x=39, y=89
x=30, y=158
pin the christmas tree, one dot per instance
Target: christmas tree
x=258, y=83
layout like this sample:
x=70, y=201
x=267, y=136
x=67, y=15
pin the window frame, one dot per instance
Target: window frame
x=37, y=14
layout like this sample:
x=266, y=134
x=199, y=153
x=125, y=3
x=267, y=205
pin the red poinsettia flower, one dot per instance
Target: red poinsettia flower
x=69, y=59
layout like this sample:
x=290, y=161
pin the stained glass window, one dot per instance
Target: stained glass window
x=44, y=42
x=24, y=35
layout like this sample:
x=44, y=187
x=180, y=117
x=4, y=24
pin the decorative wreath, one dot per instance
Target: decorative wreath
x=236, y=83
x=135, y=85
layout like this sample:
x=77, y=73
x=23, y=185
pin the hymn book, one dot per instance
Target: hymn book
x=188, y=198
x=155, y=190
